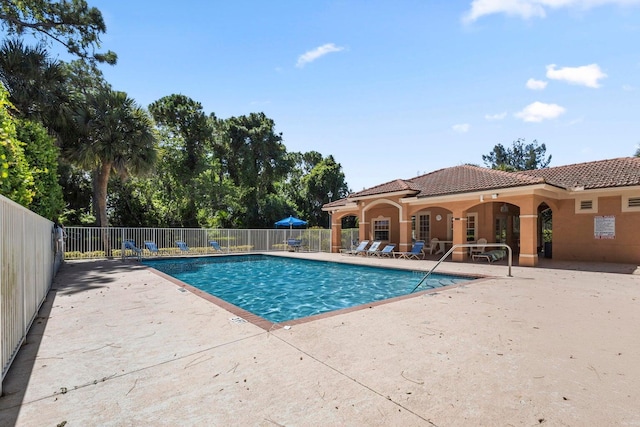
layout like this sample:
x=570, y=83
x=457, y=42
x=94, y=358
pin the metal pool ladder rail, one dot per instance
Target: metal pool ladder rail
x=467, y=245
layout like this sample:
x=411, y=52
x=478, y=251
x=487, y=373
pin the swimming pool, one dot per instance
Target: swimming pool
x=280, y=289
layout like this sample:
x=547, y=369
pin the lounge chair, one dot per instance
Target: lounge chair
x=415, y=253
x=151, y=246
x=358, y=250
x=216, y=246
x=373, y=249
x=490, y=256
x=182, y=245
x=387, y=251
x=294, y=244
x=130, y=245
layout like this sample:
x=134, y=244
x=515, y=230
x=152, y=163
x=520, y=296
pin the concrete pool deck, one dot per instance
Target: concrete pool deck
x=116, y=344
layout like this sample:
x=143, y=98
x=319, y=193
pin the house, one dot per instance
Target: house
x=592, y=210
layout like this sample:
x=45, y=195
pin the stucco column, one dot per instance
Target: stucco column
x=405, y=243
x=528, y=234
x=459, y=234
x=363, y=227
x=336, y=235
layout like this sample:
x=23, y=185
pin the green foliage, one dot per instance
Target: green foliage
x=76, y=189
x=130, y=203
x=324, y=180
x=71, y=23
x=519, y=157
x=115, y=134
x=41, y=154
x=16, y=180
x=187, y=134
x=255, y=159
x=36, y=83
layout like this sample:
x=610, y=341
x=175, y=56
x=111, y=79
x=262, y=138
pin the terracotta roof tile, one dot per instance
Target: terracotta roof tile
x=387, y=187
x=466, y=178
x=620, y=172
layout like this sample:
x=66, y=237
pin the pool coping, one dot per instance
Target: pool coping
x=267, y=325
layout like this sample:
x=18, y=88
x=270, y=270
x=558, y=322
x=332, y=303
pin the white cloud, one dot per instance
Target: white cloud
x=498, y=116
x=534, y=84
x=539, y=111
x=524, y=9
x=527, y=9
x=586, y=75
x=316, y=53
x=461, y=128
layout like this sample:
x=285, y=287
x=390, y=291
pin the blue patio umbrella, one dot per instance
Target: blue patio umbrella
x=291, y=222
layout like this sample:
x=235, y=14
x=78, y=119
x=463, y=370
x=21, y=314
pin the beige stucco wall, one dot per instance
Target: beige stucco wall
x=573, y=234
x=379, y=211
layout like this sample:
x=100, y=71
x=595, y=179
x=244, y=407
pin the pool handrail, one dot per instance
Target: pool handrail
x=467, y=245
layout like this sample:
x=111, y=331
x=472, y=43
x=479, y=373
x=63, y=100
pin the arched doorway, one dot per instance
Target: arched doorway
x=545, y=230
x=349, y=232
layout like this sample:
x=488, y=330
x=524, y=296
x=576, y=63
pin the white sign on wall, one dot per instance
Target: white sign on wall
x=604, y=227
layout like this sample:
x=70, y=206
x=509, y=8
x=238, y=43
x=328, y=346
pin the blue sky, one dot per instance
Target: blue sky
x=395, y=89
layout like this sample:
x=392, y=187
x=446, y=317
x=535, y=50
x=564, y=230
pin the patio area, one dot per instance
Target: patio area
x=116, y=344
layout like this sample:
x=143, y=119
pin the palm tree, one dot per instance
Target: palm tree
x=115, y=135
x=36, y=83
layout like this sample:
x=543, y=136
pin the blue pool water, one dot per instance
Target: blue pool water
x=280, y=289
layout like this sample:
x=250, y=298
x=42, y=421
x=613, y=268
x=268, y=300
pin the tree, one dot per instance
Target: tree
x=519, y=157
x=115, y=134
x=35, y=82
x=325, y=182
x=188, y=133
x=77, y=194
x=72, y=23
x=255, y=159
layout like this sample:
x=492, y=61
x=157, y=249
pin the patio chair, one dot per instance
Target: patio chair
x=433, y=246
x=478, y=249
x=387, y=251
x=216, y=246
x=373, y=249
x=294, y=245
x=358, y=250
x=414, y=253
x=130, y=245
x=151, y=246
x=182, y=245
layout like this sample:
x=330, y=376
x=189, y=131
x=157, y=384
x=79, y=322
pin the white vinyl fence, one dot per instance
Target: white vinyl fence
x=96, y=242
x=29, y=260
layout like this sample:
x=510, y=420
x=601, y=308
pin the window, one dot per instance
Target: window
x=424, y=227
x=381, y=229
x=472, y=227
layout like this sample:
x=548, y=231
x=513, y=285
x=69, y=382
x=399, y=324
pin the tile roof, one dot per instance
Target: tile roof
x=388, y=187
x=618, y=172
x=457, y=179
x=467, y=178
